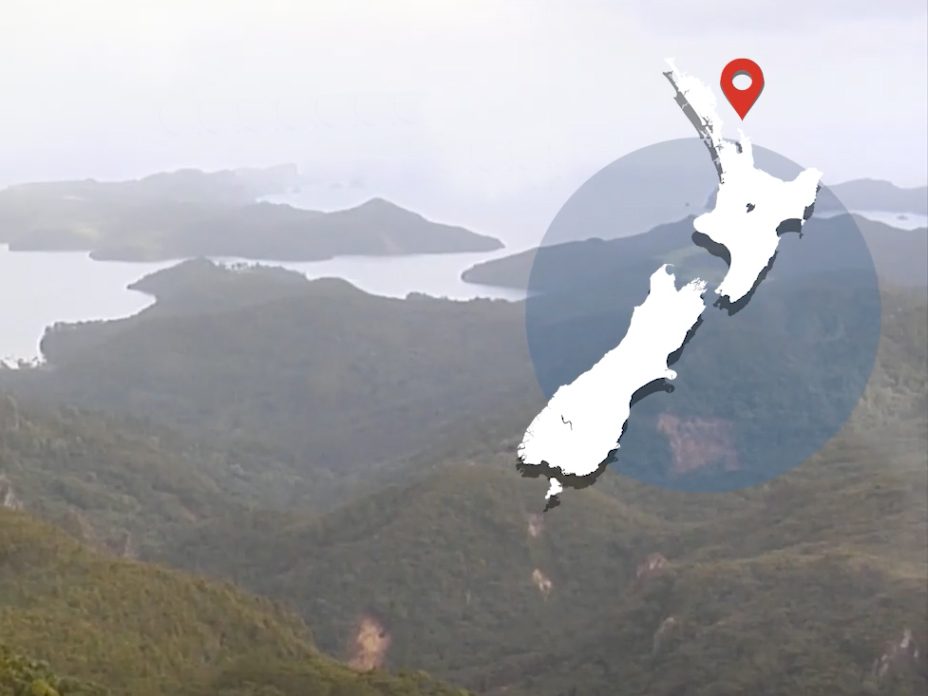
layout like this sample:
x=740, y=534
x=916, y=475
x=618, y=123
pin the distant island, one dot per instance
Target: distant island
x=873, y=195
x=877, y=195
x=899, y=255
x=190, y=213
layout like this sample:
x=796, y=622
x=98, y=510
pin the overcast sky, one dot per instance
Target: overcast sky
x=449, y=106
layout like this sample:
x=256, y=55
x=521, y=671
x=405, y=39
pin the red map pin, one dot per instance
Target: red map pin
x=742, y=100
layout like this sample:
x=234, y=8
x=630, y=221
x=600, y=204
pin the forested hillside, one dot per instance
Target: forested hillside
x=253, y=444
x=798, y=586
x=322, y=374
x=142, y=630
x=353, y=458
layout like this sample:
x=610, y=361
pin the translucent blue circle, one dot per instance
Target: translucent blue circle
x=760, y=387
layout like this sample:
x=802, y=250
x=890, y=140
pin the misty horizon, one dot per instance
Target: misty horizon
x=508, y=115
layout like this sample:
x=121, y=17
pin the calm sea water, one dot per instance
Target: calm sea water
x=905, y=221
x=38, y=289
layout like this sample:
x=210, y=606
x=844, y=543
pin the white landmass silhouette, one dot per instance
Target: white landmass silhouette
x=584, y=420
x=582, y=423
x=751, y=204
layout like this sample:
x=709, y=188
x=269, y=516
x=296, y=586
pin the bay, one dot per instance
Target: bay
x=38, y=289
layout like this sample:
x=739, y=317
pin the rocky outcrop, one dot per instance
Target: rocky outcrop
x=536, y=525
x=8, y=498
x=662, y=633
x=699, y=443
x=370, y=645
x=542, y=582
x=652, y=565
x=10, y=419
x=902, y=654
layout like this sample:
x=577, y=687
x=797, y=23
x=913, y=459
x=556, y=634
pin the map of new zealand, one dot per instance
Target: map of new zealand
x=582, y=424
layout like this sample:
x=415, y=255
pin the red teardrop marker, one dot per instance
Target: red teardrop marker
x=742, y=100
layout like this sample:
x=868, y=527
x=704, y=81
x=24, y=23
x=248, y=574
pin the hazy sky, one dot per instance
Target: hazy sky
x=450, y=106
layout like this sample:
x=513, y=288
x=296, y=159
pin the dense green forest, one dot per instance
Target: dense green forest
x=319, y=382
x=799, y=564
x=144, y=630
x=321, y=374
x=421, y=548
x=24, y=676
